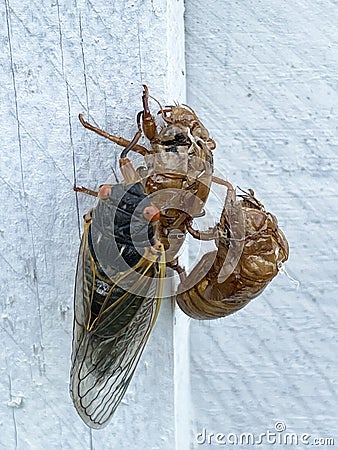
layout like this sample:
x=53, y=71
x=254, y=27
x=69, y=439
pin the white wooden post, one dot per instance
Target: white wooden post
x=59, y=59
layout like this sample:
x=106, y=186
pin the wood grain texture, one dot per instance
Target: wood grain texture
x=59, y=59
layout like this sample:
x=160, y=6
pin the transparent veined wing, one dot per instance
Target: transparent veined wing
x=114, y=310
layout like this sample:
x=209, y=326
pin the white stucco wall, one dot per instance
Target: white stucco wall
x=262, y=76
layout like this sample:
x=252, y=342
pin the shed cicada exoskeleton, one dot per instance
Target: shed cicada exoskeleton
x=136, y=230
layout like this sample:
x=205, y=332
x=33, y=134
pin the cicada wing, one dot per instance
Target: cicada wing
x=109, y=335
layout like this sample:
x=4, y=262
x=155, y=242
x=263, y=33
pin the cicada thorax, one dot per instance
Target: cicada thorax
x=251, y=248
x=179, y=173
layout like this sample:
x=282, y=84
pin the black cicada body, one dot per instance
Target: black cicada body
x=117, y=297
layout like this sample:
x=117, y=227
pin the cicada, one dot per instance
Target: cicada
x=134, y=233
x=118, y=293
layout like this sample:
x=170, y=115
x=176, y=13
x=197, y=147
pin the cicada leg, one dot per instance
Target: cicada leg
x=85, y=190
x=174, y=265
x=118, y=140
x=206, y=235
x=250, y=250
x=133, y=143
x=148, y=120
x=212, y=233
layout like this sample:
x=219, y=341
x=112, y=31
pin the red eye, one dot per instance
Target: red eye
x=151, y=213
x=104, y=191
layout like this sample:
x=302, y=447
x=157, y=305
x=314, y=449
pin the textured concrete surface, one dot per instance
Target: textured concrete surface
x=263, y=75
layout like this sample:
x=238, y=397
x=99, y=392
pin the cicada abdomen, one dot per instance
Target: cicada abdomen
x=117, y=297
x=251, y=249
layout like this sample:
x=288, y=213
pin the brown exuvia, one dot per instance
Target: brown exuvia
x=250, y=251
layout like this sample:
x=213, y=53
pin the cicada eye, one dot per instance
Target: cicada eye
x=104, y=191
x=151, y=213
